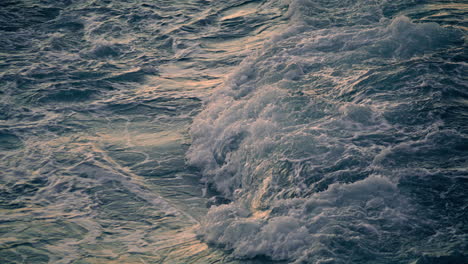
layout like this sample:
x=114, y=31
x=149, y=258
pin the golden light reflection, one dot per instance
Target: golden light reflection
x=240, y=11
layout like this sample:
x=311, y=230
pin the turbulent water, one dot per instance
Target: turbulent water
x=203, y=131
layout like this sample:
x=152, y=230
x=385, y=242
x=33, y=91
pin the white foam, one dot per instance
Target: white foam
x=276, y=137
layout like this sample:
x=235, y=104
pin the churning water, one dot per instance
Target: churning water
x=316, y=131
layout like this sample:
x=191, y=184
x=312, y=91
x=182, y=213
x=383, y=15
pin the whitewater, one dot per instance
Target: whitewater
x=251, y=131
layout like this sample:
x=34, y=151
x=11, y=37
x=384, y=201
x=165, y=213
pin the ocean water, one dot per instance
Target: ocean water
x=221, y=131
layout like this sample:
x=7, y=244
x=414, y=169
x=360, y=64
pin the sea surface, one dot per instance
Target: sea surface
x=233, y=131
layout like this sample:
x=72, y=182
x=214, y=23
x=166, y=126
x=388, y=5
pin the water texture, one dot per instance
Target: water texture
x=197, y=131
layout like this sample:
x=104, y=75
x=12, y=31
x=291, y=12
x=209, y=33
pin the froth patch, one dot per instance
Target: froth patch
x=296, y=228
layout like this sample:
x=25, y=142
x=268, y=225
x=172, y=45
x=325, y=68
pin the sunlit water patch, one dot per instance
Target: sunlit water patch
x=96, y=101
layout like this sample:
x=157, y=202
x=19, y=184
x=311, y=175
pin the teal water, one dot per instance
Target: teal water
x=193, y=131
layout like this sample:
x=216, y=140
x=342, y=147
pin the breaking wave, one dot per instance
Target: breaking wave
x=342, y=139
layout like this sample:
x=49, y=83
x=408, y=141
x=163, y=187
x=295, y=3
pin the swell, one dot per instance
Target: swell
x=342, y=139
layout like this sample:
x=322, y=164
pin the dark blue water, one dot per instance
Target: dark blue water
x=192, y=131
